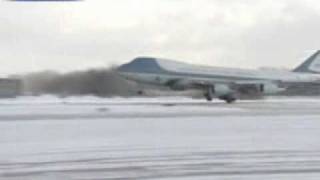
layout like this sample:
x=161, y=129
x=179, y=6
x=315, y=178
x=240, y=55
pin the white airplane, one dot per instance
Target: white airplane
x=222, y=83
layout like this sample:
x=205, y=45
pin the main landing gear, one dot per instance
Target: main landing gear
x=228, y=98
x=209, y=94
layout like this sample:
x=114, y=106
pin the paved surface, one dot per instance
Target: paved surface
x=164, y=138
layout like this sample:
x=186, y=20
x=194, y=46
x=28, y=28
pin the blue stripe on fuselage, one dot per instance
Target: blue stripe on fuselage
x=148, y=65
x=142, y=65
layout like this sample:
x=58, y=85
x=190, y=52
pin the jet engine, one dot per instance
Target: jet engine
x=270, y=88
x=179, y=85
x=222, y=90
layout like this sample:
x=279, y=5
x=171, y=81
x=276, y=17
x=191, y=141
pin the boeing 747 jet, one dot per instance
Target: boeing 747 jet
x=222, y=83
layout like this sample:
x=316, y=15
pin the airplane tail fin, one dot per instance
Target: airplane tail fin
x=311, y=65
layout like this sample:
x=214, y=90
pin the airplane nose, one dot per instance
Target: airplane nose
x=123, y=68
x=122, y=72
x=127, y=71
x=119, y=69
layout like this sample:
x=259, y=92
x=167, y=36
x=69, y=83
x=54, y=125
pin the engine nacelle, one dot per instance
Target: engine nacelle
x=222, y=90
x=179, y=85
x=270, y=88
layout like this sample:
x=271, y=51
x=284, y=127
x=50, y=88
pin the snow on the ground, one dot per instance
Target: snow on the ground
x=159, y=138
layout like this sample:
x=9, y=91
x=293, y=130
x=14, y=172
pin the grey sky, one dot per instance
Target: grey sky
x=97, y=33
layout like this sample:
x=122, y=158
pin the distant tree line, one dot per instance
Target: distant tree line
x=98, y=82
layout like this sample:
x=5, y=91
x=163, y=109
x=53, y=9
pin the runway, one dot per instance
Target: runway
x=159, y=138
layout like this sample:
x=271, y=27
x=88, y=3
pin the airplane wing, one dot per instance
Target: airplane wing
x=210, y=82
x=239, y=86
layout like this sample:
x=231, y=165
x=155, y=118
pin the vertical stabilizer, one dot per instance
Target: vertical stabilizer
x=311, y=65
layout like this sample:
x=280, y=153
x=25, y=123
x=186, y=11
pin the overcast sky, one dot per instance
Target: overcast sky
x=99, y=33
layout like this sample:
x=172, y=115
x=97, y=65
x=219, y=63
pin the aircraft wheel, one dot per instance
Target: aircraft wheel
x=228, y=99
x=209, y=94
x=208, y=97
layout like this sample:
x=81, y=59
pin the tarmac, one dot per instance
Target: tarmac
x=159, y=138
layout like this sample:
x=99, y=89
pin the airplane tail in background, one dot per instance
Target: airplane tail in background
x=311, y=65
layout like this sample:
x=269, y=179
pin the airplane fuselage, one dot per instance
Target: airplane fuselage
x=164, y=71
x=214, y=81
